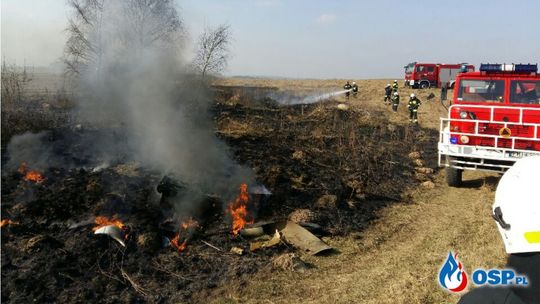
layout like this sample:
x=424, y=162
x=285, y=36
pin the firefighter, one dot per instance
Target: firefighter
x=347, y=87
x=414, y=104
x=395, y=101
x=354, y=89
x=387, y=93
x=395, y=86
x=516, y=212
x=444, y=92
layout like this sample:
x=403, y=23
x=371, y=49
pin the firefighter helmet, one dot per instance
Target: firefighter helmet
x=396, y=94
x=353, y=82
x=387, y=85
x=412, y=95
x=516, y=208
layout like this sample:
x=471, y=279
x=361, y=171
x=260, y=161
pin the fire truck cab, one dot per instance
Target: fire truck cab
x=493, y=121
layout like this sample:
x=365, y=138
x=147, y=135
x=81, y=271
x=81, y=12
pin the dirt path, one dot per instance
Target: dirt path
x=397, y=259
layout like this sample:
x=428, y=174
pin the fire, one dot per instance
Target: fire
x=185, y=228
x=6, y=222
x=175, y=242
x=30, y=175
x=189, y=223
x=238, y=209
x=34, y=176
x=102, y=221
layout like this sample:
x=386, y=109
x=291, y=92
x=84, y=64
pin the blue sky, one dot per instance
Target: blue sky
x=318, y=39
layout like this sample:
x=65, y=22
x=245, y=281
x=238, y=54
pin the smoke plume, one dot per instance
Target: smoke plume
x=141, y=83
x=136, y=84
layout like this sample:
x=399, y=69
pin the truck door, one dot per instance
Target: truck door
x=425, y=75
x=431, y=76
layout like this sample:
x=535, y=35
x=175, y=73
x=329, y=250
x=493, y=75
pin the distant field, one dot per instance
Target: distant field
x=48, y=83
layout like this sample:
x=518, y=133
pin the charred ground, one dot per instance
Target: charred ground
x=309, y=154
x=327, y=166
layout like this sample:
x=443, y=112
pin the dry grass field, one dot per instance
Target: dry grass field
x=397, y=259
x=396, y=255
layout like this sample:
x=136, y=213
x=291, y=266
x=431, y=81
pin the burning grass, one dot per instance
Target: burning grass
x=102, y=221
x=301, y=153
x=7, y=222
x=31, y=175
x=186, y=230
x=54, y=250
x=238, y=210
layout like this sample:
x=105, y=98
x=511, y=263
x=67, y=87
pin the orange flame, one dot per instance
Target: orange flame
x=102, y=221
x=30, y=175
x=175, y=242
x=5, y=222
x=239, y=212
x=185, y=226
x=34, y=176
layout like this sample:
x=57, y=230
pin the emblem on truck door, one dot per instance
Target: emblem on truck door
x=505, y=132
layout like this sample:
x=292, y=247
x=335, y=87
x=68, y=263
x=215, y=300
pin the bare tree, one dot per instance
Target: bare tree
x=153, y=21
x=14, y=84
x=83, y=45
x=212, y=51
x=135, y=24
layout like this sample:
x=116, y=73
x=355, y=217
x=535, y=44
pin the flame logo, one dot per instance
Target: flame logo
x=452, y=276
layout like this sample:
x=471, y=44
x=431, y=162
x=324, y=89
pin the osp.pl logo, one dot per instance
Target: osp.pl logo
x=453, y=277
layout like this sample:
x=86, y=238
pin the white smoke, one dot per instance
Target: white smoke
x=147, y=88
x=137, y=88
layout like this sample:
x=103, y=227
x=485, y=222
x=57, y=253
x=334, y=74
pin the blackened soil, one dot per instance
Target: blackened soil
x=300, y=153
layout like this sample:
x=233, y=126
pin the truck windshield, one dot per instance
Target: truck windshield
x=409, y=68
x=525, y=91
x=481, y=90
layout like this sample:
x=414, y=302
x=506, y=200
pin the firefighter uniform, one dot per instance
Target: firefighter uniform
x=395, y=101
x=414, y=104
x=354, y=89
x=387, y=93
x=395, y=86
x=348, y=87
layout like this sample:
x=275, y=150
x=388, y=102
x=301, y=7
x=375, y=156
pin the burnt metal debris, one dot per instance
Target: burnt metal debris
x=169, y=187
x=290, y=232
x=114, y=232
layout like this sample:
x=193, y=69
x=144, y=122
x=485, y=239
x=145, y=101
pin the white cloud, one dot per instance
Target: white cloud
x=326, y=18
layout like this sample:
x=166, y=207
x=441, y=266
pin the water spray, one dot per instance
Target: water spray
x=289, y=100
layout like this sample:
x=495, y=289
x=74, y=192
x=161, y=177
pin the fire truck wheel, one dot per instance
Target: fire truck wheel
x=424, y=84
x=454, y=176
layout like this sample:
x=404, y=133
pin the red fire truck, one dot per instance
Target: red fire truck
x=493, y=121
x=425, y=75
